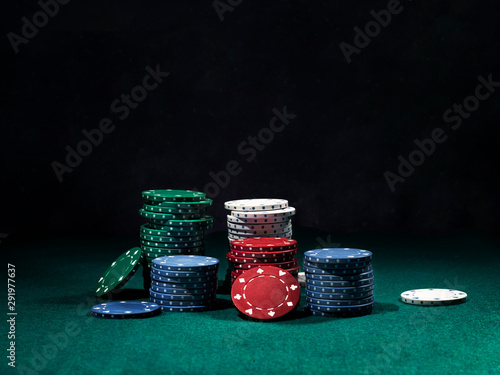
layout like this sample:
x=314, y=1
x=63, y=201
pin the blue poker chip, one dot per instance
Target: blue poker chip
x=184, y=280
x=165, y=302
x=183, y=273
x=338, y=255
x=344, y=290
x=337, y=284
x=182, y=290
x=210, y=285
x=330, y=277
x=345, y=272
x=125, y=310
x=318, y=295
x=186, y=263
x=185, y=308
x=181, y=297
x=207, y=274
x=335, y=310
x=336, y=266
x=339, y=302
x=183, y=283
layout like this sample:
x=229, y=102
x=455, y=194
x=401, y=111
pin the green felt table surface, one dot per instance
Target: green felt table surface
x=55, y=334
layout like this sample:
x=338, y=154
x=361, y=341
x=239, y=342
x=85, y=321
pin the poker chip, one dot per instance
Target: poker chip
x=259, y=244
x=171, y=195
x=334, y=311
x=119, y=272
x=338, y=272
x=330, y=277
x=263, y=254
x=337, y=266
x=146, y=229
x=204, y=299
x=185, y=263
x=125, y=310
x=258, y=221
x=258, y=233
x=174, y=239
x=184, y=274
x=202, y=291
x=261, y=204
x=339, y=282
x=285, y=212
x=165, y=216
x=233, y=237
x=283, y=226
x=198, y=205
x=211, y=284
x=178, y=280
x=339, y=302
x=338, y=255
x=433, y=297
x=184, y=308
x=289, y=264
x=165, y=302
x=236, y=259
x=265, y=292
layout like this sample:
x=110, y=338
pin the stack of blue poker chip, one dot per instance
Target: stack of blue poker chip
x=339, y=282
x=184, y=283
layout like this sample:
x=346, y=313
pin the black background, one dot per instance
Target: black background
x=353, y=120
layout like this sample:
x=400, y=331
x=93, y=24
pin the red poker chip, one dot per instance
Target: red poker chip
x=256, y=244
x=289, y=264
x=234, y=259
x=265, y=292
x=292, y=270
x=263, y=254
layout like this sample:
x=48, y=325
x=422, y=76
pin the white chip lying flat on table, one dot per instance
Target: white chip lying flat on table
x=433, y=296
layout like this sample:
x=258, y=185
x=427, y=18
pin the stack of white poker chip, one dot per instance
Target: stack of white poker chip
x=264, y=217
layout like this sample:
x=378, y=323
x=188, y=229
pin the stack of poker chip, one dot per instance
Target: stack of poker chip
x=184, y=283
x=177, y=222
x=339, y=282
x=262, y=251
x=265, y=217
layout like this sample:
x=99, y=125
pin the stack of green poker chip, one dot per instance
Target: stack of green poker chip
x=176, y=226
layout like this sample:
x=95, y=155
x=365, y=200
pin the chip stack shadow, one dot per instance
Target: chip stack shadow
x=177, y=223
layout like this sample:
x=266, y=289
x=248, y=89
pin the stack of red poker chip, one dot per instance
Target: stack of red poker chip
x=262, y=251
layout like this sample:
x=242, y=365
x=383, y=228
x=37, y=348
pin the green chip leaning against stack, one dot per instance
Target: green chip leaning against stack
x=120, y=271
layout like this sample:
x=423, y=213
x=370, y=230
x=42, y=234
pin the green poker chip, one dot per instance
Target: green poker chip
x=171, y=231
x=203, y=204
x=161, y=216
x=119, y=272
x=172, y=245
x=170, y=195
x=202, y=222
x=146, y=237
x=172, y=210
x=169, y=250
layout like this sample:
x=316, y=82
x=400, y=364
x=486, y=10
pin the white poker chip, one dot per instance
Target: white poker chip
x=286, y=212
x=233, y=237
x=257, y=220
x=252, y=232
x=433, y=297
x=260, y=226
x=261, y=204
